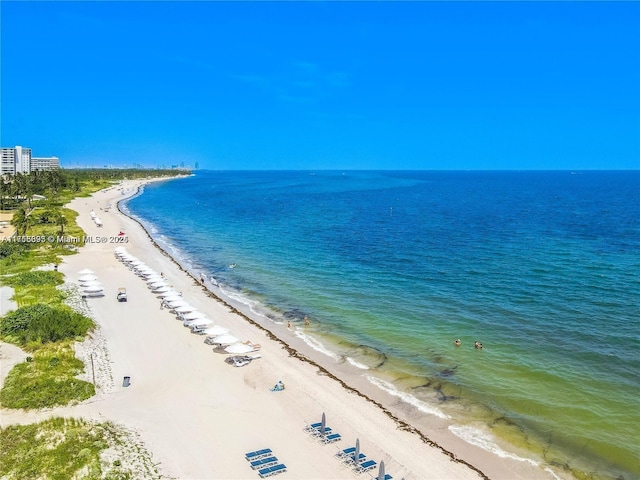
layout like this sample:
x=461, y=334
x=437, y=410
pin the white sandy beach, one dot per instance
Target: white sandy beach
x=198, y=416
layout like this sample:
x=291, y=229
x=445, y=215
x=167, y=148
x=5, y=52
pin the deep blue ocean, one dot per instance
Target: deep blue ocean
x=543, y=268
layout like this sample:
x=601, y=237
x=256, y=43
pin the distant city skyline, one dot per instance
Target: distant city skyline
x=324, y=85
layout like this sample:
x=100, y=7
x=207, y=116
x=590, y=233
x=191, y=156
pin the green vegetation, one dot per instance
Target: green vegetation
x=60, y=449
x=45, y=327
x=36, y=216
x=36, y=287
x=47, y=380
x=40, y=324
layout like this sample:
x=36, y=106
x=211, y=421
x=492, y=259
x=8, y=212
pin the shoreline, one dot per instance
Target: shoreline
x=402, y=425
x=394, y=427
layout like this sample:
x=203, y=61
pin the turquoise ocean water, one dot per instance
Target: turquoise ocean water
x=543, y=268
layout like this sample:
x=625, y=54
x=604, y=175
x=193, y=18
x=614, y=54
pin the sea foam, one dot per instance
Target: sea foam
x=481, y=439
x=410, y=399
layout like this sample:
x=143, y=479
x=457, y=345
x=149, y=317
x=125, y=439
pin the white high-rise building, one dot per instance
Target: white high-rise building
x=45, y=163
x=19, y=160
x=22, y=159
x=7, y=162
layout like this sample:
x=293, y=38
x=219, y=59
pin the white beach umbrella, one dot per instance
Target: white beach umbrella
x=239, y=348
x=177, y=303
x=85, y=271
x=149, y=273
x=92, y=289
x=87, y=278
x=225, y=339
x=198, y=322
x=193, y=315
x=157, y=284
x=161, y=289
x=185, y=309
x=216, y=331
x=154, y=277
x=120, y=249
x=136, y=263
x=90, y=283
x=171, y=294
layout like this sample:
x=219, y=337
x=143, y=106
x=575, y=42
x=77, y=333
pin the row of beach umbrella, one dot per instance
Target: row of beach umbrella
x=95, y=218
x=89, y=284
x=173, y=300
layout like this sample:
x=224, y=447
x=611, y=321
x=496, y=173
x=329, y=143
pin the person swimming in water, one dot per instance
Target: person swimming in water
x=478, y=345
x=457, y=343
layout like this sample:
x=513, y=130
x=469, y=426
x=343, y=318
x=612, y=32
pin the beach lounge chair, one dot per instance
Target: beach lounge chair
x=345, y=452
x=350, y=459
x=267, y=472
x=263, y=463
x=258, y=454
x=315, y=432
x=331, y=438
x=365, y=466
x=311, y=427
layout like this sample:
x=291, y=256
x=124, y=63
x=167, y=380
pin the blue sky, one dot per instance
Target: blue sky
x=324, y=85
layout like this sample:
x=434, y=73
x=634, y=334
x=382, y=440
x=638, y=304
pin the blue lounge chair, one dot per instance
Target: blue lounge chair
x=334, y=437
x=365, y=466
x=346, y=452
x=350, y=459
x=264, y=463
x=313, y=426
x=258, y=454
x=276, y=469
x=316, y=432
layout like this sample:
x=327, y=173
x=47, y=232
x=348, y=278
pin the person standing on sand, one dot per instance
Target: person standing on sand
x=306, y=320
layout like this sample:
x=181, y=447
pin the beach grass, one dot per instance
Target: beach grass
x=64, y=448
x=46, y=379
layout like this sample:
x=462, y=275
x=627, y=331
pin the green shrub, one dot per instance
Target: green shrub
x=37, y=277
x=54, y=449
x=46, y=381
x=13, y=249
x=42, y=323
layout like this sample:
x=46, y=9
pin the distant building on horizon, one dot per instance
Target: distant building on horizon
x=19, y=160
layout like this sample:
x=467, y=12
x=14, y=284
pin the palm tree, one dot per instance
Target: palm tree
x=5, y=189
x=21, y=221
x=61, y=220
